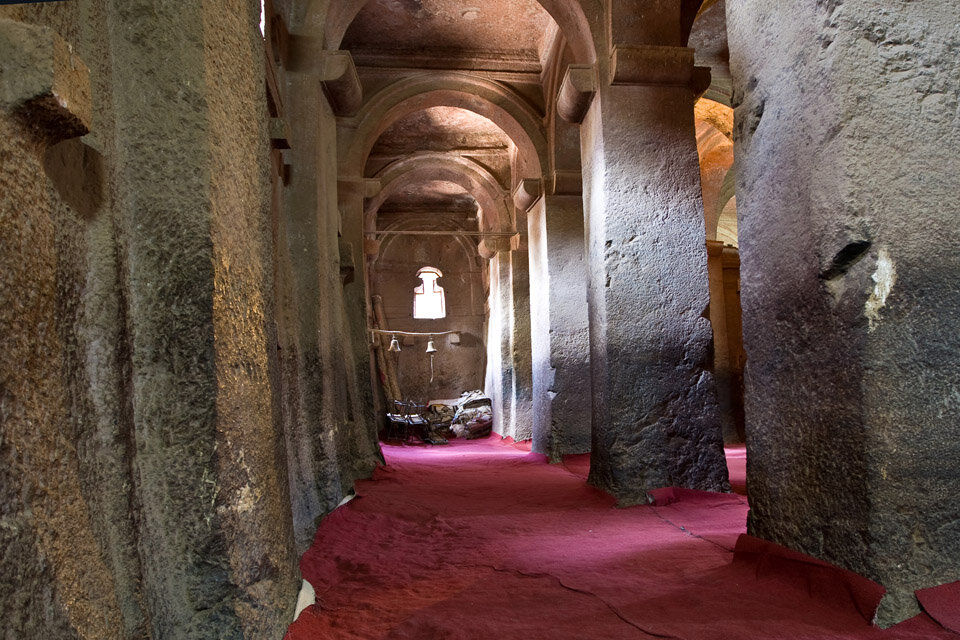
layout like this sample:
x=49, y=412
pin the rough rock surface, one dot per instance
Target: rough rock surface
x=656, y=422
x=559, y=328
x=846, y=128
x=143, y=481
x=326, y=413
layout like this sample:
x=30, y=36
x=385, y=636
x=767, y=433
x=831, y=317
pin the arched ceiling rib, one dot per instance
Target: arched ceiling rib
x=516, y=118
x=568, y=14
x=440, y=167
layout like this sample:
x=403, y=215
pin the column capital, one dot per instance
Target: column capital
x=657, y=65
x=490, y=247
x=341, y=83
x=279, y=133
x=577, y=89
x=357, y=186
x=527, y=193
x=731, y=258
x=565, y=183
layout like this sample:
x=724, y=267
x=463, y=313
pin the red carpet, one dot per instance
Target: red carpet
x=737, y=466
x=481, y=540
x=942, y=604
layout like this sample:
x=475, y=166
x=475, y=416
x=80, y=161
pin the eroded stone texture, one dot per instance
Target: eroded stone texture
x=324, y=385
x=43, y=82
x=148, y=498
x=559, y=328
x=846, y=125
x=191, y=161
x=70, y=568
x=54, y=579
x=654, y=404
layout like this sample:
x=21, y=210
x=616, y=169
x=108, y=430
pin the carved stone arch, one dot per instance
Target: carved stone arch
x=467, y=246
x=494, y=101
x=474, y=178
x=568, y=14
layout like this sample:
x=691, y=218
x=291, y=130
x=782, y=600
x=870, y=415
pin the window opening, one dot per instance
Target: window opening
x=428, y=302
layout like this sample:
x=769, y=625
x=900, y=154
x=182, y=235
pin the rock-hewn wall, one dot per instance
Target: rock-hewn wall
x=459, y=364
x=846, y=128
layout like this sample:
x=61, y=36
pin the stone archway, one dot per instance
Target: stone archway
x=568, y=14
x=494, y=101
x=495, y=213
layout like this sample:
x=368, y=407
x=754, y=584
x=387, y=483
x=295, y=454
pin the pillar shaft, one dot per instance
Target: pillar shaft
x=559, y=327
x=499, y=377
x=850, y=264
x=655, y=413
x=521, y=409
x=721, y=342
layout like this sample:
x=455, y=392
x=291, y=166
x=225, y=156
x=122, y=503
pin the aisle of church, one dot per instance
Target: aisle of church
x=486, y=540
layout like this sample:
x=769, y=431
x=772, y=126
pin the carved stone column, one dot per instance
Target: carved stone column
x=558, y=316
x=851, y=262
x=655, y=418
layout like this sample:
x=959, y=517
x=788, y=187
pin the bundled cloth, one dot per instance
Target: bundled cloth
x=474, y=416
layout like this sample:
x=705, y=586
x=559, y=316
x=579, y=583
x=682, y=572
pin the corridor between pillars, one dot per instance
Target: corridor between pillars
x=655, y=416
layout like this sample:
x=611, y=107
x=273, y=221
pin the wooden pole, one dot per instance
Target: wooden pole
x=392, y=386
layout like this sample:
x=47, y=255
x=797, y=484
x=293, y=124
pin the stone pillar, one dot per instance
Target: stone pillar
x=305, y=255
x=521, y=406
x=499, y=377
x=191, y=189
x=721, y=347
x=655, y=412
x=559, y=326
x=736, y=356
x=56, y=580
x=361, y=437
x=509, y=374
x=850, y=255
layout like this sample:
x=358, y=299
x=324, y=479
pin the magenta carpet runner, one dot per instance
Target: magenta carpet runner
x=483, y=540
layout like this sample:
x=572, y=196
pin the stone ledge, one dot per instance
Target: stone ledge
x=43, y=82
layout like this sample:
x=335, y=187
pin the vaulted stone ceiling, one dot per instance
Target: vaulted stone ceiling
x=450, y=33
x=445, y=130
x=505, y=40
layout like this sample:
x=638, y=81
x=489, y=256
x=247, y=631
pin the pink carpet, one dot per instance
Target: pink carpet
x=737, y=467
x=482, y=540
